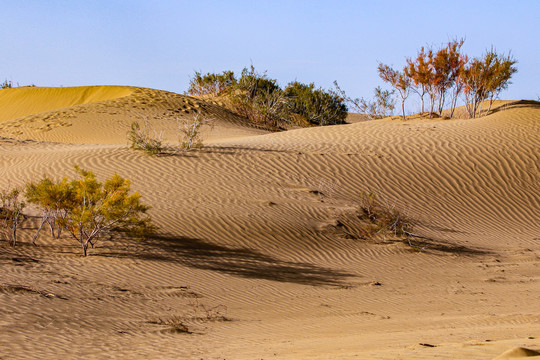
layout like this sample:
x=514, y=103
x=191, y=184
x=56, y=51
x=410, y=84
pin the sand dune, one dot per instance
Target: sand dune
x=247, y=258
x=22, y=101
x=103, y=114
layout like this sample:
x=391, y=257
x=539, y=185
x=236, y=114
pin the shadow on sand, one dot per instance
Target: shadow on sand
x=242, y=262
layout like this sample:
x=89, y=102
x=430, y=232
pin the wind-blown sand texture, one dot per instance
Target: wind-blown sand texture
x=247, y=255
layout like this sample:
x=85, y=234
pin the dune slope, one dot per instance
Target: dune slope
x=103, y=114
x=22, y=101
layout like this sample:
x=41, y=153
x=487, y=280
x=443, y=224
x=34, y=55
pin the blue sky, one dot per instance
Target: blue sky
x=160, y=44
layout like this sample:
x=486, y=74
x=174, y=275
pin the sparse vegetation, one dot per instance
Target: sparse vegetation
x=175, y=324
x=198, y=313
x=400, y=81
x=447, y=73
x=11, y=212
x=7, y=84
x=88, y=209
x=376, y=218
x=190, y=131
x=151, y=142
x=381, y=106
x=145, y=138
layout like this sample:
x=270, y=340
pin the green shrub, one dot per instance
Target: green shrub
x=210, y=83
x=260, y=99
x=317, y=106
x=145, y=139
x=254, y=84
x=54, y=200
x=90, y=208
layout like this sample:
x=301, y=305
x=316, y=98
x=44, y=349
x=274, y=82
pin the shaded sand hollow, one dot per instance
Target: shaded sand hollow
x=247, y=257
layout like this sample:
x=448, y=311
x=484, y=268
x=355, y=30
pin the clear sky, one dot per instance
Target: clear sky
x=160, y=43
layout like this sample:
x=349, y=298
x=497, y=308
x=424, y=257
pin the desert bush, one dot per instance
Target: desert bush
x=91, y=208
x=399, y=80
x=435, y=72
x=175, y=324
x=11, y=215
x=446, y=73
x=211, y=83
x=190, y=131
x=376, y=217
x=7, y=84
x=54, y=199
x=484, y=78
x=381, y=106
x=259, y=98
x=317, y=106
x=145, y=138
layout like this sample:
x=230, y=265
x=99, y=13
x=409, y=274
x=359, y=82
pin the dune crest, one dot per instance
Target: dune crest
x=23, y=101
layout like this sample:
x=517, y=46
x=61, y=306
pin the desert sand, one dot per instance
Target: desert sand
x=247, y=255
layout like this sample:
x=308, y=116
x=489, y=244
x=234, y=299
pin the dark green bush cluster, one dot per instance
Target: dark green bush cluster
x=317, y=106
x=261, y=99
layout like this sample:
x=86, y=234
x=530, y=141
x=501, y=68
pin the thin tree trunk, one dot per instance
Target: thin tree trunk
x=14, y=233
x=442, y=99
x=490, y=103
x=43, y=220
x=480, y=105
x=84, y=246
x=453, y=106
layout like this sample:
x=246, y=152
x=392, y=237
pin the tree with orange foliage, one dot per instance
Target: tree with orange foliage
x=458, y=67
x=420, y=73
x=446, y=66
x=435, y=73
x=399, y=80
x=484, y=78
